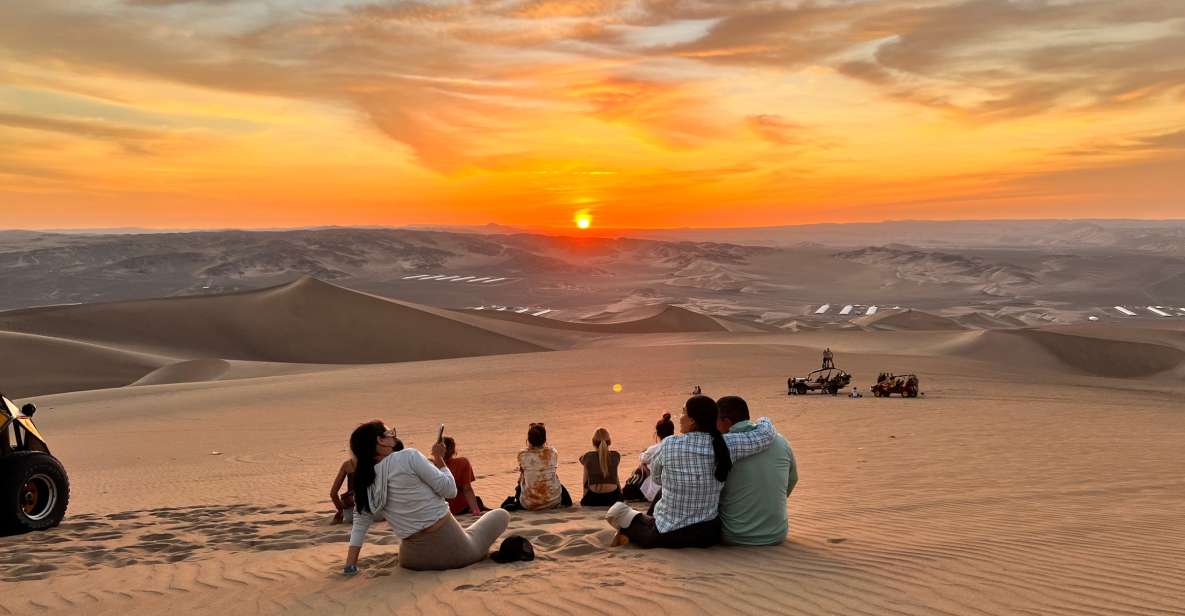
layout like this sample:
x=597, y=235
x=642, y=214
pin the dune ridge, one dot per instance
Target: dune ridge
x=655, y=319
x=907, y=320
x=306, y=321
x=979, y=320
x=35, y=364
x=1075, y=352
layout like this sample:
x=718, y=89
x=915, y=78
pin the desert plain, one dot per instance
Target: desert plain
x=1039, y=472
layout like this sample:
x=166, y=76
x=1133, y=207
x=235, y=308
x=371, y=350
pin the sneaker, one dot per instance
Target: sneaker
x=350, y=570
x=619, y=540
x=620, y=515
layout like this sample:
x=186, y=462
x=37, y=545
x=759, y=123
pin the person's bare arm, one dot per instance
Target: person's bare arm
x=337, y=486
x=471, y=498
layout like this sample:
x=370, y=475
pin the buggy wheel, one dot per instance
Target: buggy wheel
x=833, y=389
x=911, y=392
x=34, y=492
x=801, y=389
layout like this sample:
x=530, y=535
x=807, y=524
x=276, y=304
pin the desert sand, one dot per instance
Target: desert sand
x=1039, y=473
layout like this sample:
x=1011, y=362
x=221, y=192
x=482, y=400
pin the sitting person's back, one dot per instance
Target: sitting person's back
x=602, y=488
x=691, y=469
x=466, y=500
x=539, y=481
x=662, y=429
x=753, y=502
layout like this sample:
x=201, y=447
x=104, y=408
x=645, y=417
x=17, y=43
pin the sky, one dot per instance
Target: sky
x=629, y=113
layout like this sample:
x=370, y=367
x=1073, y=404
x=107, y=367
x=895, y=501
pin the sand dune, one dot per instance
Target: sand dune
x=35, y=364
x=993, y=494
x=307, y=321
x=979, y=320
x=656, y=319
x=907, y=320
x=1052, y=350
x=201, y=370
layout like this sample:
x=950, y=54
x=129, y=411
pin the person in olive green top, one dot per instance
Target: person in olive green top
x=753, y=503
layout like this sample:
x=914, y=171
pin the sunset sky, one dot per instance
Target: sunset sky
x=638, y=113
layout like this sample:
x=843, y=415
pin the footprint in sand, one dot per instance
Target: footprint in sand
x=157, y=536
x=581, y=548
x=38, y=571
x=548, y=540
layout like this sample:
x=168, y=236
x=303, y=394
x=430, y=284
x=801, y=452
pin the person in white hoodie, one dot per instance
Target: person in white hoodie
x=410, y=491
x=662, y=429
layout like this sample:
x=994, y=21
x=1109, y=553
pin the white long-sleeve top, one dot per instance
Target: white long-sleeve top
x=649, y=487
x=409, y=491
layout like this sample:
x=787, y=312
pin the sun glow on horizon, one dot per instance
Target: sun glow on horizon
x=583, y=219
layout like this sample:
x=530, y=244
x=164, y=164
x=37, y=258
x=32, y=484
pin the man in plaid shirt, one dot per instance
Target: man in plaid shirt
x=686, y=513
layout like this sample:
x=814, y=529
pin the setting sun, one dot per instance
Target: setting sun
x=583, y=219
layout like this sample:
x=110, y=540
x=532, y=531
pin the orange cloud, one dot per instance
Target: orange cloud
x=656, y=110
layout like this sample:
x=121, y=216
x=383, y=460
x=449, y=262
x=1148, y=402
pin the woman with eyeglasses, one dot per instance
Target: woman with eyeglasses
x=410, y=492
x=343, y=502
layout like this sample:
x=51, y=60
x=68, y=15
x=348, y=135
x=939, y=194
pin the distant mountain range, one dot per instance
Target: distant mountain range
x=753, y=274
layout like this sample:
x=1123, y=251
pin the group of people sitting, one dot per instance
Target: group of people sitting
x=723, y=478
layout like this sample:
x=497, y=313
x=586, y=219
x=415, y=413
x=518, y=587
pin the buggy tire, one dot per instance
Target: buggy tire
x=911, y=392
x=833, y=389
x=801, y=389
x=34, y=492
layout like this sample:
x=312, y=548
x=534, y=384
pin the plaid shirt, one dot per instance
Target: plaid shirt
x=685, y=468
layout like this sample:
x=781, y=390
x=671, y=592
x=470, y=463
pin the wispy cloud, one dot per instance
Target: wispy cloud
x=486, y=86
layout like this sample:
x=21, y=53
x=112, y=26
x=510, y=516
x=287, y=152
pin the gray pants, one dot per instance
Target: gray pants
x=453, y=547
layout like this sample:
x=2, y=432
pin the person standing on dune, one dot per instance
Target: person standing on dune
x=828, y=358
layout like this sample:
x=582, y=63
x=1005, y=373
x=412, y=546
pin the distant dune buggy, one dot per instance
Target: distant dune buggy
x=887, y=384
x=34, y=488
x=826, y=380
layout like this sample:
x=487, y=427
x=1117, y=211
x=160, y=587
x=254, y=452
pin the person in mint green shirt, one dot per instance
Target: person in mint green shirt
x=753, y=503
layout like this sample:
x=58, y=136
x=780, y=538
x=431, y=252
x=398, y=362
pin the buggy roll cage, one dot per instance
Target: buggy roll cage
x=25, y=435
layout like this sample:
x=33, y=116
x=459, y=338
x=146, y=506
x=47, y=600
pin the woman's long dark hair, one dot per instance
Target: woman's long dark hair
x=363, y=444
x=704, y=412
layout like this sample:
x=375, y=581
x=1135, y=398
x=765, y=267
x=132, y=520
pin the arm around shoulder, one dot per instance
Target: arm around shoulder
x=744, y=444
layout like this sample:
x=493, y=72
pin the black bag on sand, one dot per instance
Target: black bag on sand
x=513, y=549
x=632, y=490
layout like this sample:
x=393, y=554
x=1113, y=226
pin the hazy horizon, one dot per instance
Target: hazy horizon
x=568, y=229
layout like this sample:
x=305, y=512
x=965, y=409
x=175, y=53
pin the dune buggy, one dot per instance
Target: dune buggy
x=887, y=384
x=34, y=488
x=825, y=380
